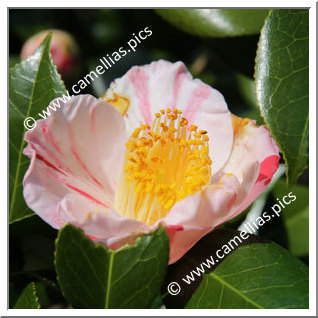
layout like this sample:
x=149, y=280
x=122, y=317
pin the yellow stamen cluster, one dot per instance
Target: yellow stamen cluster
x=164, y=163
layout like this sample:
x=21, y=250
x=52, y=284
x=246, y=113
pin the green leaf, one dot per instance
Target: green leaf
x=13, y=60
x=200, y=252
x=32, y=297
x=32, y=85
x=216, y=22
x=91, y=276
x=282, y=84
x=157, y=303
x=255, y=276
x=296, y=217
x=47, y=291
x=28, y=298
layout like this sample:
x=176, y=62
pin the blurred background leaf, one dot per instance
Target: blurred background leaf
x=296, y=217
x=246, y=87
x=216, y=22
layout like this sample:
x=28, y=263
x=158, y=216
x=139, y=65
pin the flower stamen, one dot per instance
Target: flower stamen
x=164, y=163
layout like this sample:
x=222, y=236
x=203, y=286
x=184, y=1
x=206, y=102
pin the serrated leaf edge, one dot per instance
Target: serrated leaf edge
x=104, y=247
x=46, y=43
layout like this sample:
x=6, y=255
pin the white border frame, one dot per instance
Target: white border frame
x=312, y=159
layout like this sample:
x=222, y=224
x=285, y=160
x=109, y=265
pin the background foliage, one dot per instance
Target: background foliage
x=222, y=47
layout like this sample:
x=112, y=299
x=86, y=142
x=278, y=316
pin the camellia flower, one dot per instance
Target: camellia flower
x=160, y=148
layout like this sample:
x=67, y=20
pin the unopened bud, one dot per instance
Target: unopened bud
x=64, y=50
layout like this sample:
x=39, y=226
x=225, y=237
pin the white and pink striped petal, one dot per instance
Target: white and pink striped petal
x=252, y=143
x=78, y=149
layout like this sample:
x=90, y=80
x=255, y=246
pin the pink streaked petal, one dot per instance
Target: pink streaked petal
x=182, y=241
x=267, y=170
x=243, y=189
x=139, y=80
x=45, y=188
x=162, y=85
x=268, y=167
x=204, y=208
x=68, y=156
x=196, y=215
x=180, y=76
x=109, y=227
x=199, y=95
x=183, y=238
x=252, y=144
x=116, y=242
x=35, y=191
x=99, y=223
x=71, y=127
x=220, y=133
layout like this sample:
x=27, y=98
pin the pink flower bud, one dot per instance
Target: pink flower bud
x=64, y=50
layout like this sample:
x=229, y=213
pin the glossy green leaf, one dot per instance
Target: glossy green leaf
x=32, y=297
x=296, y=217
x=216, y=22
x=282, y=84
x=255, y=276
x=202, y=251
x=32, y=85
x=91, y=276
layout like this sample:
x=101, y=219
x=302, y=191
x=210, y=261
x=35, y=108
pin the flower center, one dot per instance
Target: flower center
x=164, y=163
